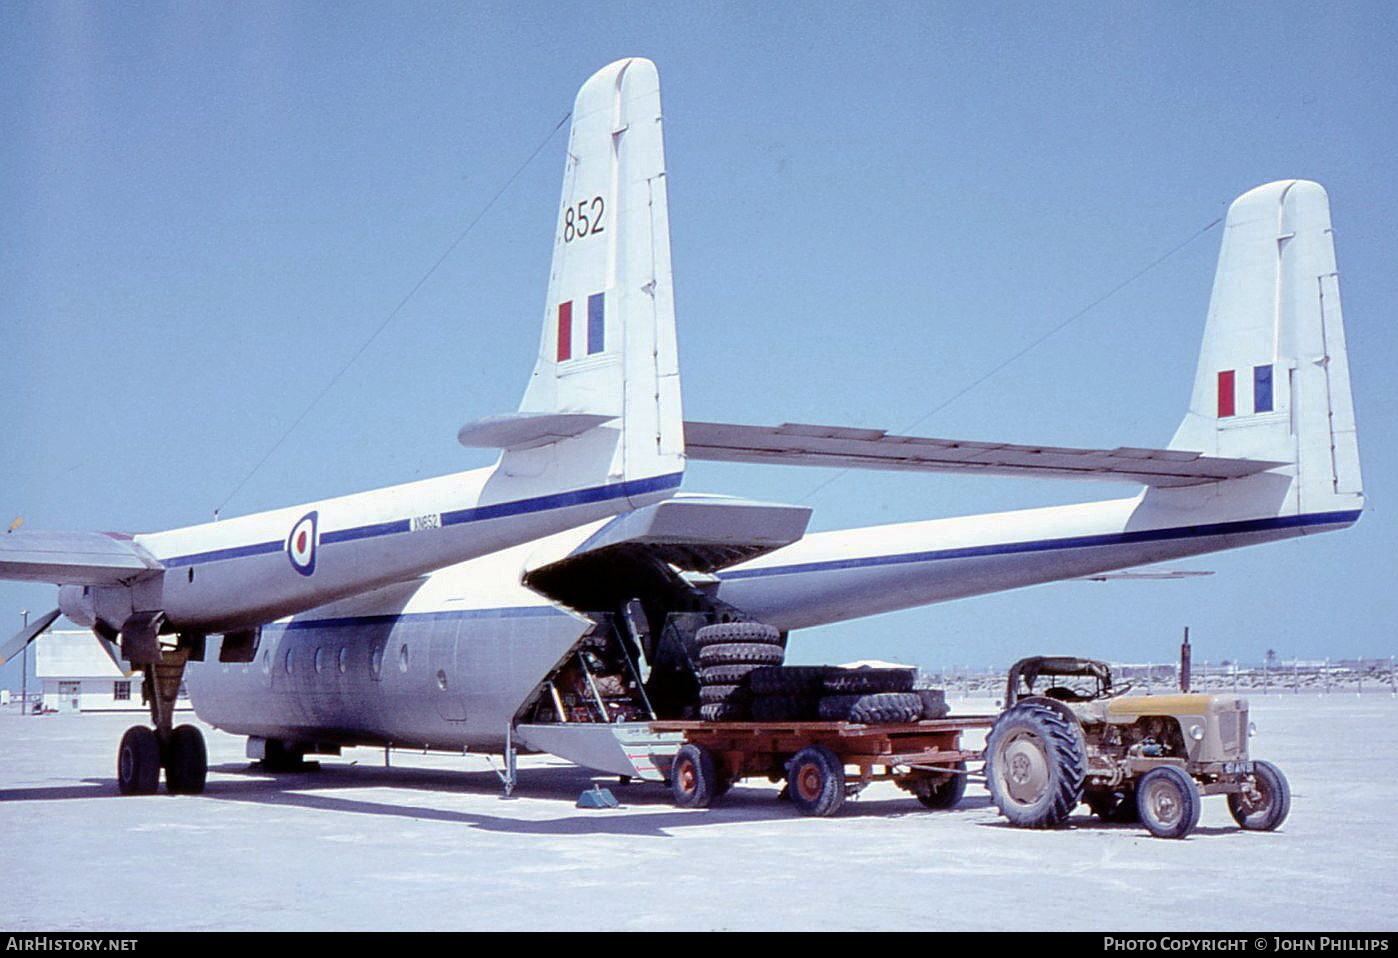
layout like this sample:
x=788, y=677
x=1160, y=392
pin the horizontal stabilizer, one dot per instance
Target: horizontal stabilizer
x=526, y=430
x=74, y=558
x=26, y=635
x=804, y=445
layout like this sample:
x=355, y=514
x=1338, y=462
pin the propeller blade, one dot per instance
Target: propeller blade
x=26, y=635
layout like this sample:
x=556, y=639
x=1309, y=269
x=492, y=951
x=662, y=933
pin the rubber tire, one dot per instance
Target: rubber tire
x=944, y=794
x=786, y=708
x=725, y=712
x=186, y=761
x=870, y=681
x=1276, y=793
x=694, y=780
x=740, y=653
x=816, y=781
x=725, y=633
x=727, y=674
x=934, y=703
x=1032, y=740
x=1168, y=802
x=802, y=680
x=725, y=694
x=280, y=757
x=138, y=762
x=880, y=708
x=1117, y=807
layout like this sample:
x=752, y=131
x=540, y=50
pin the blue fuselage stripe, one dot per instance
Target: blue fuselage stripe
x=1242, y=527
x=520, y=507
x=345, y=622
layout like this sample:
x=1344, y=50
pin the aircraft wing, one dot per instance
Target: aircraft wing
x=74, y=558
x=805, y=445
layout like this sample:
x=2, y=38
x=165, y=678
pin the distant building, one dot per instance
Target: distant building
x=78, y=676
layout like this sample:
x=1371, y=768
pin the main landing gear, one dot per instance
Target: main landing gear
x=178, y=750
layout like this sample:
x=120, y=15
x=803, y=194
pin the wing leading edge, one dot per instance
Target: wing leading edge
x=807, y=445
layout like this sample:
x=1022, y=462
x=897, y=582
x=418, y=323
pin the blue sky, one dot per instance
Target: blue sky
x=207, y=209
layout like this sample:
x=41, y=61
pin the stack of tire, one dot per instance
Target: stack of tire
x=728, y=653
x=867, y=696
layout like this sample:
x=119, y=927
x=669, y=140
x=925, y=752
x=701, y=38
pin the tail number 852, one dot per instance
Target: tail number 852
x=583, y=219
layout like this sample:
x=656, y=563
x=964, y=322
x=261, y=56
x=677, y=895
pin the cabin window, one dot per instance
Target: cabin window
x=320, y=661
x=344, y=660
x=403, y=657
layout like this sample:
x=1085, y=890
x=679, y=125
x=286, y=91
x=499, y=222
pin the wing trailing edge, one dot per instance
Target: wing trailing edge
x=797, y=444
x=74, y=558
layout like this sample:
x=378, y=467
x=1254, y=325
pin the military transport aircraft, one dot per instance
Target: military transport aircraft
x=551, y=603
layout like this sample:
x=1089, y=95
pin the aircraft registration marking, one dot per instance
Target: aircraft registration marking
x=433, y=520
x=583, y=219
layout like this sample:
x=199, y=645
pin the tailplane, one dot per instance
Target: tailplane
x=1273, y=375
x=603, y=403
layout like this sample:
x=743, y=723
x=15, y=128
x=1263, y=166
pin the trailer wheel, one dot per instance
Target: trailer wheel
x=946, y=793
x=816, y=781
x=1267, y=806
x=1034, y=765
x=1168, y=801
x=694, y=777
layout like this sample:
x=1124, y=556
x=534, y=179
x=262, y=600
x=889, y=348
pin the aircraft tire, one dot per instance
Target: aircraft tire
x=730, y=694
x=881, y=708
x=725, y=712
x=727, y=674
x=1271, y=808
x=870, y=681
x=728, y=632
x=186, y=761
x=789, y=679
x=138, y=762
x=1034, y=766
x=740, y=653
x=1168, y=802
x=786, y=708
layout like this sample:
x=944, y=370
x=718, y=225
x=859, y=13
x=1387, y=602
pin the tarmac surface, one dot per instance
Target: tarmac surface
x=430, y=844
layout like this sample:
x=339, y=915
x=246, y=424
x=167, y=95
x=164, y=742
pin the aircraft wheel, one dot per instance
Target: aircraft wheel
x=186, y=762
x=138, y=762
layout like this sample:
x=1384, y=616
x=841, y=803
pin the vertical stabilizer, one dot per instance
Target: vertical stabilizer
x=608, y=347
x=1273, y=376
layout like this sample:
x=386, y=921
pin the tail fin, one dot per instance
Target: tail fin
x=1273, y=377
x=603, y=403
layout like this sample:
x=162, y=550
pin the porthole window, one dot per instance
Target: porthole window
x=287, y=663
x=376, y=662
x=344, y=660
x=403, y=657
x=320, y=661
x=441, y=680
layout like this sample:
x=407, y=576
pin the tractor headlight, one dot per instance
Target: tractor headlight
x=1196, y=732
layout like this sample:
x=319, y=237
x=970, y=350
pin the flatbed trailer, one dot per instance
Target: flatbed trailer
x=925, y=758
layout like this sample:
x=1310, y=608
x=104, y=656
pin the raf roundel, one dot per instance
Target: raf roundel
x=301, y=544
